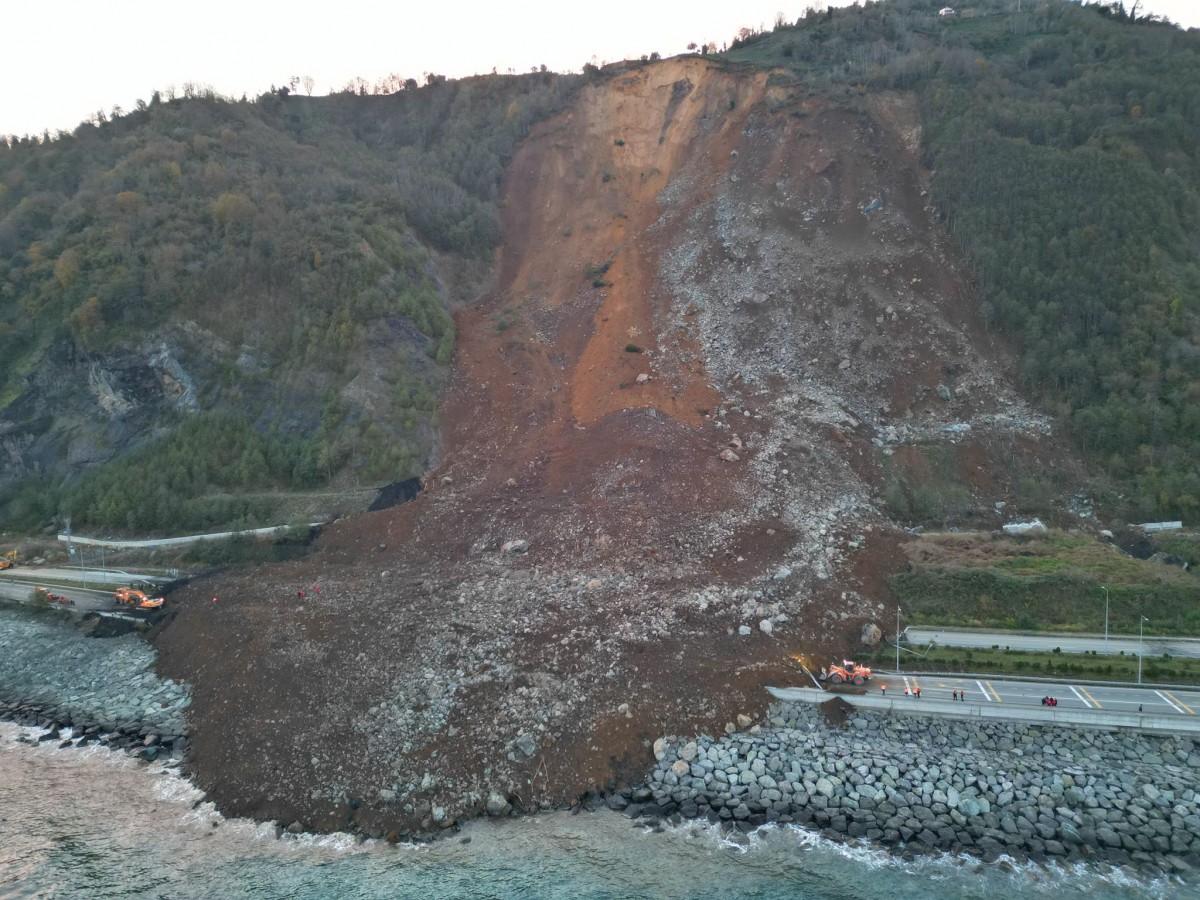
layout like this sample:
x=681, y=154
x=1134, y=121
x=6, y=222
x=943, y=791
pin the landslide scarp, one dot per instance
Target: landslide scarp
x=721, y=314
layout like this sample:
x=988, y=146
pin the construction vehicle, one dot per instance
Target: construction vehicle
x=127, y=596
x=849, y=672
x=9, y=560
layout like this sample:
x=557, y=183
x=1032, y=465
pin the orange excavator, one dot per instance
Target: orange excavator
x=9, y=560
x=849, y=672
x=128, y=596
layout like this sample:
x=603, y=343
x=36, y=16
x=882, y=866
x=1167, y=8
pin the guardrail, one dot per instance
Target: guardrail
x=1006, y=712
x=178, y=541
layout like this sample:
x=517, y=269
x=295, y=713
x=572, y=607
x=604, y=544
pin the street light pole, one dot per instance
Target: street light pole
x=1141, y=626
x=897, y=639
x=1103, y=588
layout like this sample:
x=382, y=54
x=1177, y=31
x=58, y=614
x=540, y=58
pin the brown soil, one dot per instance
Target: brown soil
x=404, y=685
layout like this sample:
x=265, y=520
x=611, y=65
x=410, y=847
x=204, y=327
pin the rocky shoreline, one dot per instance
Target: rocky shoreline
x=88, y=690
x=928, y=784
x=908, y=783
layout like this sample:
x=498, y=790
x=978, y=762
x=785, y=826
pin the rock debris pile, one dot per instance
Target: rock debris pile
x=923, y=784
x=88, y=689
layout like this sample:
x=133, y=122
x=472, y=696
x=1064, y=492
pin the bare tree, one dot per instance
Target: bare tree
x=308, y=83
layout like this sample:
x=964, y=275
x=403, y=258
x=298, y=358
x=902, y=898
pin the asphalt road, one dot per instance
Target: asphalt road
x=1154, y=646
x=1155, y=701
x=85, y=600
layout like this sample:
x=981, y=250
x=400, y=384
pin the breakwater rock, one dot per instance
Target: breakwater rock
x=918, y=783
x=102, y=689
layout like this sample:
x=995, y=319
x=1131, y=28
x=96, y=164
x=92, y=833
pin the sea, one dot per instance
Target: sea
x=96, y=823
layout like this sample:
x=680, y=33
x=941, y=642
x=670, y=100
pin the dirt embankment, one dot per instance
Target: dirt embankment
x=714, y=293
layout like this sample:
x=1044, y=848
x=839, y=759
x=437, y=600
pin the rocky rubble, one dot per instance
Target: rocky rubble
x=87, y=689
x=929, y=784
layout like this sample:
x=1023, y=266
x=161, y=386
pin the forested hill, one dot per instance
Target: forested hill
x=1065, y=144
x=273, y=272
x=204, y=303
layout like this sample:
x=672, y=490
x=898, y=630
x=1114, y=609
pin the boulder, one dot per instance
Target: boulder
x=871, y=635
x=728, y=455
x=526, y=744
x=518, y=546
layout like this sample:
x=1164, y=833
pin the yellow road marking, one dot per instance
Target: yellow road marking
x=916, y=684
x=1180, y=702
x=1085, y=693
x=993, y=690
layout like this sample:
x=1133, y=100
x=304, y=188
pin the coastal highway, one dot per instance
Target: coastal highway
x=85, y=600
x=1045, y=643
x=1153, y=701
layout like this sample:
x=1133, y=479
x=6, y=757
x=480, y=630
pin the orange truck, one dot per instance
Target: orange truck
x=128, y=596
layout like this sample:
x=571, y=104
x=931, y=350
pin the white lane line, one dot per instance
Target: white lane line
x=983, y=690
x=1175, y=706
x=907, y=687
x=1080, y=696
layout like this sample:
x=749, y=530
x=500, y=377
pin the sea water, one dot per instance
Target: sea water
x=93, y=823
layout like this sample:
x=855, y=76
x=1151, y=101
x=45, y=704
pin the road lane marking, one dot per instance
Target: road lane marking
x=1085, y=700
x=984, y=691
x=1088, y=694
x=1180, y=702
x=993, y=690
x=1175, y=706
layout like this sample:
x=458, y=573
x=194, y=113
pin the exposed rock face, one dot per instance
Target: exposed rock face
x=650, y=589
x=77, y=410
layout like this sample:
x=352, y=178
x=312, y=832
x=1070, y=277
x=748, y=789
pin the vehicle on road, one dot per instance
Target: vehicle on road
x=849, y=672
x=127, y=596
x=9, y=561
x=46, y=596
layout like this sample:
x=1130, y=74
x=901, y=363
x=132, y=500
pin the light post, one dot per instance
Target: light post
x=1141, y=626
x=897, y=639
x=1103, y=588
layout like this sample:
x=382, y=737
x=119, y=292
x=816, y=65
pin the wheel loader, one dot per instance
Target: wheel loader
x=849, y=672
x=127, y=596
x=9, y=561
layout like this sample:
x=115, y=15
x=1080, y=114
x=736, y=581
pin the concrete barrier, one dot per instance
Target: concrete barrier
x=1035, y=715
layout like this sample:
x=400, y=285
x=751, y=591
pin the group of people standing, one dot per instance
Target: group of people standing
x=1049, y=701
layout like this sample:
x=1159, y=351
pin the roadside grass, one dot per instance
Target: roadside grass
x=1056, y=583
x=1082, y=666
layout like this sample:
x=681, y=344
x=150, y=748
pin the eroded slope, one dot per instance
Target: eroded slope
x=719, y=307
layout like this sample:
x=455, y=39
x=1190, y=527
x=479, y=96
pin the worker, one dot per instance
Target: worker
x=300, y=593
x=918, y=690
x=906, y=694
x=214, y=599
x=883, y=689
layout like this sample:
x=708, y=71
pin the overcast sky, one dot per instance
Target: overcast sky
x=65, y=59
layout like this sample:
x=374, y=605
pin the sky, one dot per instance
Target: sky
x=66, y=59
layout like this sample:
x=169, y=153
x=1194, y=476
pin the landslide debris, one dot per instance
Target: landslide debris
x=602, y=557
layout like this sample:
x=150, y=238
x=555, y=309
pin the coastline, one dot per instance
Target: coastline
x=906, y=785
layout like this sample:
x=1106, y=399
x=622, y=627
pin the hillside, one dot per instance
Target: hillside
x=667, y=435
x=1065, y=142
x=726, y=331
x=206, y=298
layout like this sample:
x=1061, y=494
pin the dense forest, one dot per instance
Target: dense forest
x=1065, y=146
x=292, y=229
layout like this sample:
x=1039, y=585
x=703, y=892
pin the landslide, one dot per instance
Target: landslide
x=721, y=309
